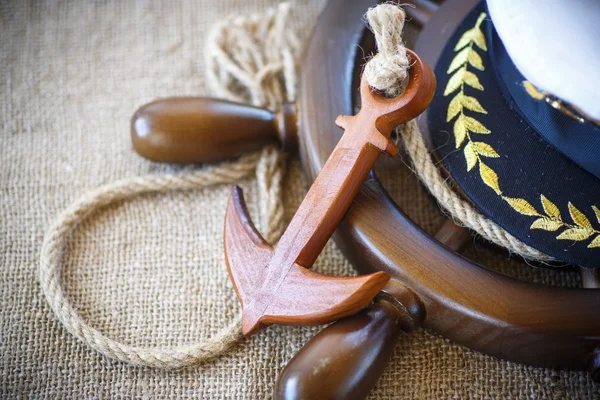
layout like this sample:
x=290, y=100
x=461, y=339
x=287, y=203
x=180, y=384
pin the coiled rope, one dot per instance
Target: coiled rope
x=250, y=60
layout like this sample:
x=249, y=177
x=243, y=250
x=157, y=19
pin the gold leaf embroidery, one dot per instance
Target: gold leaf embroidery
x=479, y=40
x=459, y=59
x=471, y=103
x=478, y=36
x=472, y=80
x=522, y=206
x=552, y=222
x=577, y=234
x=476, y=61
x=455, y=82
x=489, y=177
x=546, y=224
x=475, y=126
x=465, y=125
x=597, y=212
x=460, y=131
x=485, y=150
x=550, y=208
x=583, y=229
x=470, y=156
x=473, y=35
x=578, y=217
x=595, y=243
x=465, y=39
x=454, y=107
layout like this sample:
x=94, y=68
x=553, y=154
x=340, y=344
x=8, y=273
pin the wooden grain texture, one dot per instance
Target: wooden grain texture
x=200, y=130
x=482, y=309
x=344, y=360
x=274, y=286
x=337, y=354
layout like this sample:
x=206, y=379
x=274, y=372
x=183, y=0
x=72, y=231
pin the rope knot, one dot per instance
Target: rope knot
x=387, y=71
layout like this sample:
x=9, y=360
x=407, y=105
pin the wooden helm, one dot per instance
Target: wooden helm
x=432, y=284
x=479, y=308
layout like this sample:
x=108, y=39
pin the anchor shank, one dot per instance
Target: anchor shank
x=327, y=201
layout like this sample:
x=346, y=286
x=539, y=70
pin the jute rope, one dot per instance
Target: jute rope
x=254, y=59
x=56, y=239
x=250, y=60
x=387, y=72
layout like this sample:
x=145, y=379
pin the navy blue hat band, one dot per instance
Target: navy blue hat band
x=577, y=139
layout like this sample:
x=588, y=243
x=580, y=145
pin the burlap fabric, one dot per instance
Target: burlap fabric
x=151, y=271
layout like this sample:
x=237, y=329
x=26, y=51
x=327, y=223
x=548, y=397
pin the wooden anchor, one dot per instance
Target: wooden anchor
x=274, y=286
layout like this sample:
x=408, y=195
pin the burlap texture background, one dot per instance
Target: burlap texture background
x=151, y=271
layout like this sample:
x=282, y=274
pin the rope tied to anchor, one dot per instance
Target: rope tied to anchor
x=388, y=72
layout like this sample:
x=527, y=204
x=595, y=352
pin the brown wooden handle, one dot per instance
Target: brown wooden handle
x=199, y=129
x=345, y=359
x=351, y=354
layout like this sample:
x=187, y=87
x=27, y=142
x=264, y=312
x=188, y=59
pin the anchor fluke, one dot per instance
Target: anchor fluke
x=289, y=294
